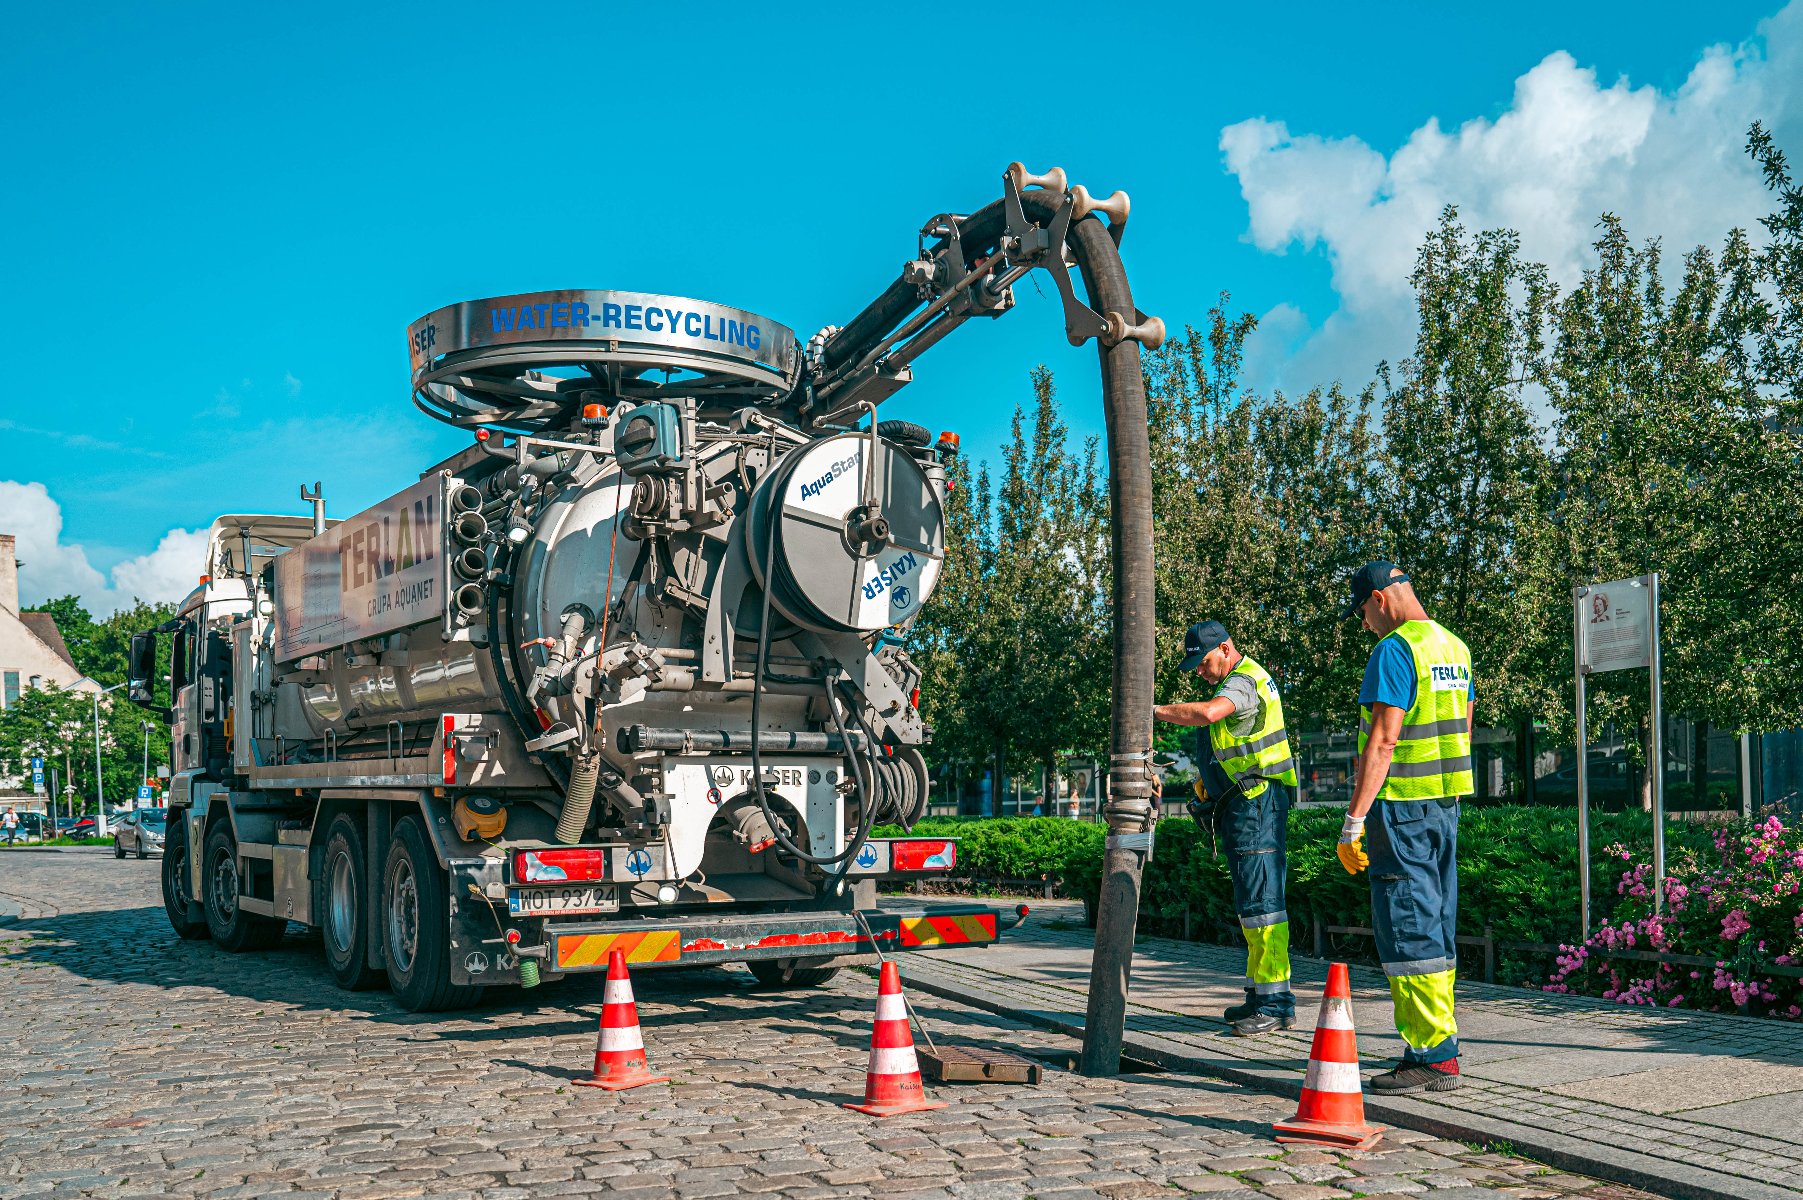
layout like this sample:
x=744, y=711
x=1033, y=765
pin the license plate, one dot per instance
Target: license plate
x=529, y=902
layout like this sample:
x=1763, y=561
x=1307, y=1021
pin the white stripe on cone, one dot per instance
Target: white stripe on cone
x=891, y=1008
x=893, y=1060
x=617, y=991
x=1331, y=1076
x=613, y=1040
x=1336, y=1015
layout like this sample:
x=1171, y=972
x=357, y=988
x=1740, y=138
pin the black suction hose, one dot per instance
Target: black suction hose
x=510, y=696
x=866, y=818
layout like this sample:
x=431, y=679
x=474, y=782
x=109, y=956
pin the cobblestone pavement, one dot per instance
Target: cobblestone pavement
x=140, y=1065
x=1689, y=1103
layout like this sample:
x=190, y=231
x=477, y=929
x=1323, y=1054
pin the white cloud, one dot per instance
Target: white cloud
x=1566, y=150
x=55, y=568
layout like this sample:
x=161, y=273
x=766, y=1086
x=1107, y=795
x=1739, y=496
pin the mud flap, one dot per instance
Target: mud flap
x=479, y=952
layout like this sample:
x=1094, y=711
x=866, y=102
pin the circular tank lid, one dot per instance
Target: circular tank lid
x=523, y=362
x=826, y=575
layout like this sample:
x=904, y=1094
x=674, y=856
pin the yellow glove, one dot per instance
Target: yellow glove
x=1352, y=848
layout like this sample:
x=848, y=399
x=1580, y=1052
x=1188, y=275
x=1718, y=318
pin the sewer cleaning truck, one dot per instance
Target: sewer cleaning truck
x=626, y=673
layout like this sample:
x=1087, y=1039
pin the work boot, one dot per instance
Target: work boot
x=1261, y=1022
x=1239, y=1012
x=1418, y=1077
x=1276, y=1010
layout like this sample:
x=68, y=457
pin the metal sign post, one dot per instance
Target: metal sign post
x=1579, y=670
x=1656, y=753
x=1615, y=627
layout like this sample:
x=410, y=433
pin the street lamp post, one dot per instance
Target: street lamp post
x=100, y=826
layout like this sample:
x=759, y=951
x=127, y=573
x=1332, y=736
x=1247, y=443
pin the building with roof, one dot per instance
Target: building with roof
x=32, y=651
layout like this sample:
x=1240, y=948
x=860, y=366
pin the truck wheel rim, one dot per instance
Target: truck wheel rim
x=177, y=866
x=341, y=904
x=225, y=885
x=403, y=918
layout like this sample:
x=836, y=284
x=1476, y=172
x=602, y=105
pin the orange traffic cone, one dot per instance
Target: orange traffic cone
x=892, y=1082
x=1332, y=1112
x=620, y=1048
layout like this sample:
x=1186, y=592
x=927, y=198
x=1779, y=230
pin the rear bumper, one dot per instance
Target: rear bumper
x=587, y=947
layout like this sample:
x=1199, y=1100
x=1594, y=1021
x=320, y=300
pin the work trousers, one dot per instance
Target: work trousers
x=1413, y=846
x=1252, y=835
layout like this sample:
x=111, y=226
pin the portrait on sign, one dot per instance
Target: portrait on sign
x=1599, y=608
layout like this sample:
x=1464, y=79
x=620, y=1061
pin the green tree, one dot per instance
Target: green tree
x=1015, y=640
x=1656, y=445
x=1469, y=488
x=1264, y=508
x=40, y=725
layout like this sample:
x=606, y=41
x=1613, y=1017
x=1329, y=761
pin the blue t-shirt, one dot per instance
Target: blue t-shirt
x=1390, y=676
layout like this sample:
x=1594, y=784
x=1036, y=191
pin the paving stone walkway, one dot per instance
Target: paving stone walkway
x=136, y=1064
x=1686, y=1104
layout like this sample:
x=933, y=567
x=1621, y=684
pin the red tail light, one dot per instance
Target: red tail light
x=450, y=749
x=923, y=856
x=558, y=866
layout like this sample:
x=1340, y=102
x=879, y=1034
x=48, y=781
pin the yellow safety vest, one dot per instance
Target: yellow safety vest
x=1433, y=751
x=1263, y=754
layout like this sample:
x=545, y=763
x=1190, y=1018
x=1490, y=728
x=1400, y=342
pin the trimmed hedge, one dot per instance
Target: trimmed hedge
x=1518, y=872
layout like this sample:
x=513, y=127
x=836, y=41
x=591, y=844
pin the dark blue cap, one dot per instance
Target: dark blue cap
x=1202, y=637
x=1372, y=577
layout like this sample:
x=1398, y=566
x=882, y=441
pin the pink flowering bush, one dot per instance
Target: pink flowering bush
x=1736, y=907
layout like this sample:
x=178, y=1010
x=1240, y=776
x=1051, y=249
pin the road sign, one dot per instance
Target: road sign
x=145, y=795
x=37, y=776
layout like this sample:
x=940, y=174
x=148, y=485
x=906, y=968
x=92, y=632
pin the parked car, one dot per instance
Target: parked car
x=140, y=831
x=30, y=827
x=65, y=826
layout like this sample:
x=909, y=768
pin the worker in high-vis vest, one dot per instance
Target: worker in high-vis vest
x=1251, y=776
x=1414, y=764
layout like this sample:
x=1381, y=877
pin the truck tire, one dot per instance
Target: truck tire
x=791, y=972
x=232, y=928
x=416, y=930
x=177, y=903
x=344, y=905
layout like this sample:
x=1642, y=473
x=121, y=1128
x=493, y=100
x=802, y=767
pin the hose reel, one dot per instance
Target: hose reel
x=858, y=539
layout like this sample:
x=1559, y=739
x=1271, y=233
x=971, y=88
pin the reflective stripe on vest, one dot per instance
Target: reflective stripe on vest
x=1433, y=749
x=1262, y=754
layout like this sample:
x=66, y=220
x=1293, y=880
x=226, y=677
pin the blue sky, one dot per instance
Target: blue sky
x=220, y=219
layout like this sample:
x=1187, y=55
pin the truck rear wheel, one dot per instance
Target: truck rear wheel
x=416, y=932
x=222, y=882
x=791, y=972
x=344, y=907
x=177, y=903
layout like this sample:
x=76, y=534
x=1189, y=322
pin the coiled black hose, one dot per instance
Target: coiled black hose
x=867, y=818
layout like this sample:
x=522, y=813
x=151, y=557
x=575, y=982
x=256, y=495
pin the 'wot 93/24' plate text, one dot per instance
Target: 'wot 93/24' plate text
x=577, y=898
